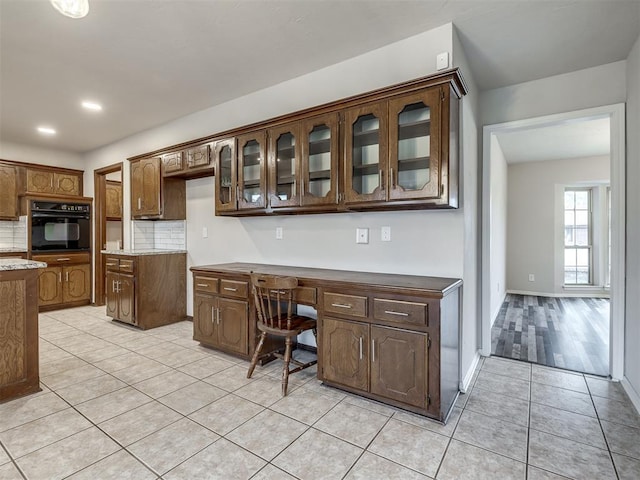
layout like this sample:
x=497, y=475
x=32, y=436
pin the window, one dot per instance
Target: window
x=578, y=265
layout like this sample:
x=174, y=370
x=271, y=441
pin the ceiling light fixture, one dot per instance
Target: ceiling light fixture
x=72, y=8
x=46, y=130
x=96, y=107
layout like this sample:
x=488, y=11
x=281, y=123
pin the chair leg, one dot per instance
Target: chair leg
x=256, y=354
x=285, y=368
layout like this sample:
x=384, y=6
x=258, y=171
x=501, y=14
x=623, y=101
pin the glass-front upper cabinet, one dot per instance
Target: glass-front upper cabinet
x=284, y=166
x=226, y=176
x=251, y=170
x=414, y=136
x=320, y=160
x=366, y=153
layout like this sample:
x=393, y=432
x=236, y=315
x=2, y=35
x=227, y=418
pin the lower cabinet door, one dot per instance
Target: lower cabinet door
x=76, y=283
x=399, y=365
x=232, y=324
x=203, y=319
x=345, y=353
x=50, y=286
x=112, y=294
x=126, y=297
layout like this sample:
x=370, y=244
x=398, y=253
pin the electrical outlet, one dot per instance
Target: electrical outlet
x=362, y=235
x=442, y=61
x=385, y=234
x=279, y=233
x=532, y=277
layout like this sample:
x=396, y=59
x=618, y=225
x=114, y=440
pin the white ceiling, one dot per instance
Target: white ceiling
x=574, y=139
x=150, y=62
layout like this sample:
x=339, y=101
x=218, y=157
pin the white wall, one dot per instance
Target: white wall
x=592, y=87
x=30, y=154
x=535, y=222
x=498, y=228
x=442, y=243
x=632, y=324
x=470, y=179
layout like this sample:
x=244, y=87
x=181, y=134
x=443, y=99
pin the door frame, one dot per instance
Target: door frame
x=100, y=224
x=616, y=115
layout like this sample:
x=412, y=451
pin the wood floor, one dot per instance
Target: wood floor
x=571, y=333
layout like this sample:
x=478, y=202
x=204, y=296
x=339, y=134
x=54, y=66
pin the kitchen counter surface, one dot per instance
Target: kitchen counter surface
x=19, y=264
x=13, y=250
x=133, y=253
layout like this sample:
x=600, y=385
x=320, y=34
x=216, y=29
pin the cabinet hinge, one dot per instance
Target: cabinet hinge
x=442, y=189
x=428, y=399
x=428, y=343
x=441, y=94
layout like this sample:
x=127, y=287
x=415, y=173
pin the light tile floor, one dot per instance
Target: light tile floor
x=120, y=403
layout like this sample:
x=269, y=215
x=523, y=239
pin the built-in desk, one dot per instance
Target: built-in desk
x=393, y=338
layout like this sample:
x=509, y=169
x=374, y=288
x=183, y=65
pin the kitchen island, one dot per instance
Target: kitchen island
x=19, y=327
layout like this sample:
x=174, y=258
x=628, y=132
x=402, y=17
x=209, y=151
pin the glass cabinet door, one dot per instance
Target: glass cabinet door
x=225, y=175
x=284, y=166
x=251, y=170
x=366, y=141
x=320, y=160
x=414, y=136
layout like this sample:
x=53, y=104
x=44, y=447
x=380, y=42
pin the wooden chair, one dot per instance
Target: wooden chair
x=274, y=305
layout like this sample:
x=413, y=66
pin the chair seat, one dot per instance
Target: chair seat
x=299, y=324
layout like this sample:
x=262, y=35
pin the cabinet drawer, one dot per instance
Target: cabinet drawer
x=127, y=266
x=305, y=295
x=205, y=284
x=112, y=264
x=351, y=305
x=62, y=258
x=233, y=288
x=400, y=312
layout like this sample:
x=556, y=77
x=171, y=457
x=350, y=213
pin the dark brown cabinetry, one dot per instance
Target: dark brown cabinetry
x=52, y=182
x=146, y=290
x=66, y=282
x=226, y=177
x=319, y=164
x=192, y=162
x=393, y=338
x=120, y=289
x=251, y=171
x=219, y=320
x=113, y=200
x=154, y=196
x=8, y=192
x=19, y=364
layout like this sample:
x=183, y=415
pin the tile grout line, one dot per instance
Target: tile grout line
x=604, y=436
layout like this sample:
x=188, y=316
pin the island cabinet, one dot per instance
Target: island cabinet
x=66, y=282
x=154, y=196
x=392, y=338
x=148, y=289
x=19, y=365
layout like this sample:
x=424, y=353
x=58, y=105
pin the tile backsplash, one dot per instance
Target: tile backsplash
x=13, y=234
x=161, y=235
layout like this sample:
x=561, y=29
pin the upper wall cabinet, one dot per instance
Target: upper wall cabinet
x=49, y=182
x=8, y=192
x=192, y=162
x=114, y=200
x=252, y=171
x=226, y=177
x=154, y=197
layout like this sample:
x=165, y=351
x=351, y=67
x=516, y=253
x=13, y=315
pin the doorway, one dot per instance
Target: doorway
x=494, y=243
x=108, y=221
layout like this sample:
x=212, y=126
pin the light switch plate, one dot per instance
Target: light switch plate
x=385, y=234
x=279, y=233
x=362, y=235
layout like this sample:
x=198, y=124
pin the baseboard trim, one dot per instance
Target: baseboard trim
x=466, y=381
x=561, y=295
x=633, y=395
x=308, y=348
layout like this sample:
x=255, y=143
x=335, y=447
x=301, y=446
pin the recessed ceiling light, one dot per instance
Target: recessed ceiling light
x=72, y=8
x=46, y=130
x=93, y=106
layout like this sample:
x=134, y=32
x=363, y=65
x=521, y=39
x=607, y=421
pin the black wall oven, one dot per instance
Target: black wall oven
x=57, y=226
